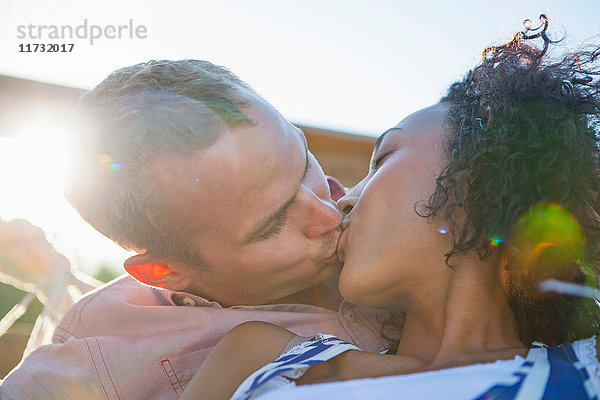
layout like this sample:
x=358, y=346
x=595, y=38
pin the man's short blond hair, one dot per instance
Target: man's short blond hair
x=135, y=115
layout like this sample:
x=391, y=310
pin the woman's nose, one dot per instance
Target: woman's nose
x=347, y=202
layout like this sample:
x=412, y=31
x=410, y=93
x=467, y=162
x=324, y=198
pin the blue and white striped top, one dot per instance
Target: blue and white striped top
x=569, y=371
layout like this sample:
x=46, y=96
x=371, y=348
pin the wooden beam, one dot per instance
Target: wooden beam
x=343, y=155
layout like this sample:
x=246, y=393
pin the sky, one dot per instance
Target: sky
x=354, y=66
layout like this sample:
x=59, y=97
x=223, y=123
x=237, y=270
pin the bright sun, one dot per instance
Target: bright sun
x=32, y=173
x=33, y=166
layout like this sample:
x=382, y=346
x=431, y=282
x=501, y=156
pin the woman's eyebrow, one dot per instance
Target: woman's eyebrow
x=380, y=138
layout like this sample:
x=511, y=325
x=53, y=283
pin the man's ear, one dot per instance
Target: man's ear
x=148, y=270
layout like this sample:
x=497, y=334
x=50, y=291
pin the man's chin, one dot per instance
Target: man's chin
x=333, y=260
x=331, y=269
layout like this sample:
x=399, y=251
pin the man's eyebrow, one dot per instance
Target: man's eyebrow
x=255, y=234
x=258, y=231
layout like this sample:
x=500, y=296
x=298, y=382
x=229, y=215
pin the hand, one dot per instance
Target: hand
x=26, y=256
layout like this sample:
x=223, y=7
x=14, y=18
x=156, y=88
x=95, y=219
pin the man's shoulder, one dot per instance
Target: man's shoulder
x=112, y=301
x=119, y=290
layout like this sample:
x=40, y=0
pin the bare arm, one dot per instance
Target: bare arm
x=244, y=349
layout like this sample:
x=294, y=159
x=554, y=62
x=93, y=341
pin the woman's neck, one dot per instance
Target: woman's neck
x=464, y=321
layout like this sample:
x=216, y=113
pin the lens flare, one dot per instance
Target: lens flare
x=547, y=242
x=495, y=241
x=112, y=167
x=444, y=229
x=107, y=162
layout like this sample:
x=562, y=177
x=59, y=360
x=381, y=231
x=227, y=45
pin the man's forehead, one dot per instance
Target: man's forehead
x=240, y=175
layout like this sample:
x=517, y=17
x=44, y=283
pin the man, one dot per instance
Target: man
x=227, y=210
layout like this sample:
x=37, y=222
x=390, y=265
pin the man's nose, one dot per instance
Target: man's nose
x=324, y=217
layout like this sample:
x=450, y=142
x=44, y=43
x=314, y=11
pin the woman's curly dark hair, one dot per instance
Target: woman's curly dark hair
x=524, y=130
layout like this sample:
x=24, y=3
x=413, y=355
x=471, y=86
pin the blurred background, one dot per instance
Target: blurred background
x=343, y=70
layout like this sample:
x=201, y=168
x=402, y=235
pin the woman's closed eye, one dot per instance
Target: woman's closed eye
x=378, y=160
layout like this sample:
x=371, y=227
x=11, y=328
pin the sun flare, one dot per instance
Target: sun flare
x=33, y=161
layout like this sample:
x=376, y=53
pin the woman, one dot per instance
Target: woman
x=469, y=206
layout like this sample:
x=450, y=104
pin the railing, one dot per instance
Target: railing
x=29, y=263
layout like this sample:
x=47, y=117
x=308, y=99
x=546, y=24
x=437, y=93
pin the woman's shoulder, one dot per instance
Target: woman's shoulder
x=256, y=328
x=253, y=338
x=307, y=355
x=244, y=349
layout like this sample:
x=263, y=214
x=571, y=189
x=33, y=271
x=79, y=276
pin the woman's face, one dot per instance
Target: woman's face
x=390, y=253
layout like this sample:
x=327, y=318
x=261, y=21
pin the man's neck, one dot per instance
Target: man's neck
x=325, y=295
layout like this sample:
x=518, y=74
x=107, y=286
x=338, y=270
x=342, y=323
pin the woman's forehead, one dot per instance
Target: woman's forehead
x=422, y=120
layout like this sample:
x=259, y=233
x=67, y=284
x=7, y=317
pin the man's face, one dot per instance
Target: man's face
x=269, y=228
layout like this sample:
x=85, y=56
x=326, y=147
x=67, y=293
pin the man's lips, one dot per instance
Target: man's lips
x=333, y=258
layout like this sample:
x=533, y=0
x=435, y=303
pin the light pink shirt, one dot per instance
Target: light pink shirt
x=128, y=341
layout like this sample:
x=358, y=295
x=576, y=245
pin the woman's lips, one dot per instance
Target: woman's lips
x=344, y=224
